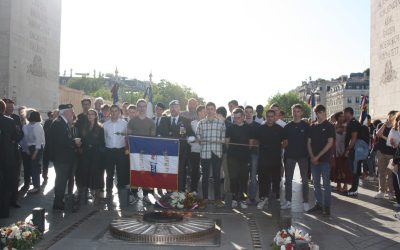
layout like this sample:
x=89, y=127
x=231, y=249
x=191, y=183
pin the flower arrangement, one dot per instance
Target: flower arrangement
x=179, y=200
x=20, y=235
x=286, y=239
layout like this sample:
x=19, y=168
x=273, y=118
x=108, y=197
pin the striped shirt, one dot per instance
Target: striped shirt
x=211, y=134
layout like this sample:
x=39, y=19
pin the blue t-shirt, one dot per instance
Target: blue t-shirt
x=296, y=134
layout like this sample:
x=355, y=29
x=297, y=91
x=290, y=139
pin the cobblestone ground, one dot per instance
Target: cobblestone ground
x=355, y=223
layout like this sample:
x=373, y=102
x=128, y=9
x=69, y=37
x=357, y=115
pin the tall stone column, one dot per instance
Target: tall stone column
x=385, y=57
x=30, y=52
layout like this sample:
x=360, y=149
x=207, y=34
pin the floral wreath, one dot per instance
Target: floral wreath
x=286, y=239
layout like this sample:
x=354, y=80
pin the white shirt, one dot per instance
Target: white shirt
x=195, y=146
x=157, y=120
x=176, y=119
x=395, y=135
x=260, y=121
x=281, y=123
x=110, y=128
x=34, y=135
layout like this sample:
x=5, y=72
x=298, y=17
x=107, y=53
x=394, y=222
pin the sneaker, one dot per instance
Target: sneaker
x=379, y=195
x=326, y=212
x=219, y=204
x=234, y=203
x=261, y=204
x=316, y=208
x=306, y=206
x=352, y=193
x=286, y=205
x=243, y=205
x=34, y=191
x=390, y=196
x=396, y=204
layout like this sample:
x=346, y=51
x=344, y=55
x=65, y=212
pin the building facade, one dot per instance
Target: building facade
x=385, y=57
x=348, y=94
x=30, y=52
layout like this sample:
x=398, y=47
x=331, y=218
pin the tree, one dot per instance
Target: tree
x=286, y=101
x=366, y=72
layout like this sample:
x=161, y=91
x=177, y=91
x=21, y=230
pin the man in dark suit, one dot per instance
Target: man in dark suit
x=159, y=110
x=8, y=138
x=178, y=127
x=62, y=151
x=15, y=171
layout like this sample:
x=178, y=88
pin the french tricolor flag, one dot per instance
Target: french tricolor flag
x=154, y=162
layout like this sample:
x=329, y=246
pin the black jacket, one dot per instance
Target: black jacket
x=8, y=142
x=61, y=144
x=182, y=130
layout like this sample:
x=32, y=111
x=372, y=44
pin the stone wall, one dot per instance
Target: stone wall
x=385, y=57
x=30, y=52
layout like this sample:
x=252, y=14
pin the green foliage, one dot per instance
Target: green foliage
x=366, y=72
x=164, y=91
x=285, y=101
x=88, y=85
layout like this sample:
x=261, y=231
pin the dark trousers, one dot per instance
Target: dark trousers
x=15, y=172
x=63, y=174
x=195, y=171
x=27, y=162
x=238, y=176
x=4, y=197
x=396, y=186
x=215, y=162
x=290, y=164
x=182, y=172
x=356, y=176
x=269, y=173
x=116, y=159
x=36, y=167
x=45, y=162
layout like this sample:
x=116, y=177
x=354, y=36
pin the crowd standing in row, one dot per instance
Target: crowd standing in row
x=246, y=147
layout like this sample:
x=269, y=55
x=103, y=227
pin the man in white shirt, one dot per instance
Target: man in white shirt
x=114, y=134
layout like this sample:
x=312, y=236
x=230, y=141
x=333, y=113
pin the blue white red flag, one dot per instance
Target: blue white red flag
x=154, y=162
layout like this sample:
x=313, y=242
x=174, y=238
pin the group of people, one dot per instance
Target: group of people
x=248, y=149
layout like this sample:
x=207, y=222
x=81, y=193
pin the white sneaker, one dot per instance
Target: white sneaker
x=234, y=203
x=243, y=205
x=261, y=204
x=306, y=206
x=396, y=204
x=390, y=196
x=379, y=195
x=286, y=205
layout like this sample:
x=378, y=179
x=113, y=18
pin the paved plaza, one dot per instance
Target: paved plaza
x=362, y=223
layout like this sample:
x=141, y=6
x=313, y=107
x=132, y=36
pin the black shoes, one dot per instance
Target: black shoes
x=317, y=208
x=351, y=193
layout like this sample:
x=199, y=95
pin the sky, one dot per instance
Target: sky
x=223, y=49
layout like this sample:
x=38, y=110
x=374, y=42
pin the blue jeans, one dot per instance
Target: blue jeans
x=323, y=169
x=253, y=175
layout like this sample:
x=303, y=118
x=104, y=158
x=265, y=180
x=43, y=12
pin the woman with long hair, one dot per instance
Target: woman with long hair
x=394, y=141
x=89, y=172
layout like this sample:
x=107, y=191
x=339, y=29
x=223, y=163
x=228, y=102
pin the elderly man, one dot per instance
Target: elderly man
x=176, y=126
x=98, y=102
x=191, y=110
x=62, y=151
